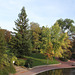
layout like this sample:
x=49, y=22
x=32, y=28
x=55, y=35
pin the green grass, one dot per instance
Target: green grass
x=37, y=61
x=38, y=55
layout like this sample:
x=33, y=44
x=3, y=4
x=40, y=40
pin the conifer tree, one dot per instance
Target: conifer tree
x=20, y=42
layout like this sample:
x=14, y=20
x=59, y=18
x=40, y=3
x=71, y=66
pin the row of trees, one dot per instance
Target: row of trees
x=50, y=41
x=53, y=41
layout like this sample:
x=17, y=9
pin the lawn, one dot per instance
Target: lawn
x=40, y=59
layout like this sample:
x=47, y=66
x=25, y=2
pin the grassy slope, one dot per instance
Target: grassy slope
x=39, y=59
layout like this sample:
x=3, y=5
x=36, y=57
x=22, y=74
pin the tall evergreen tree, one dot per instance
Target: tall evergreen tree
x=20, y=42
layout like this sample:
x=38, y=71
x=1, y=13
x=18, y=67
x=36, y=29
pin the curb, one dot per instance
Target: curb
x=44, y=66
x=50, y=69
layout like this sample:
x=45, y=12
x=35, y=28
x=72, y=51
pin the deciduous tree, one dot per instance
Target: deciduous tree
x=66, y=24
x=36, y=31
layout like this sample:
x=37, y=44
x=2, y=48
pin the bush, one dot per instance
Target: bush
x=66, y=56
x=29, y=63
x=4, y=72
x=20, y=62
x=17, y=62
x=63, y=59
x=7, y=69
x=73, y=56
x=11, y=69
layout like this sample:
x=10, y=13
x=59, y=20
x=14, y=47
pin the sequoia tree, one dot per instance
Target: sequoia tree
x=20, y=42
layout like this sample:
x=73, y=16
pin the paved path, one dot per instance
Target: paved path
x=39, y=69
x=20, y=69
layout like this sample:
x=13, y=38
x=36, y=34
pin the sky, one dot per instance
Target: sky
x=43, y=12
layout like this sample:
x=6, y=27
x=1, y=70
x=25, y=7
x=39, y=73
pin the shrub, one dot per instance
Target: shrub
x=4, y=72
x=7, y=69
x=11, y=69
x=66, y=56
x=17, y=62
x=29, y=62
x=20, y=62
x=63, y=59
x=73, y=56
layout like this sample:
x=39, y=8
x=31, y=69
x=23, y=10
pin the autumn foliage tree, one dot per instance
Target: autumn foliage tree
x=35, y=31
x=7, y=34
x=5, y=61
x=55, y=39
x=46, y=44
x=73, y=47
x=54, y=42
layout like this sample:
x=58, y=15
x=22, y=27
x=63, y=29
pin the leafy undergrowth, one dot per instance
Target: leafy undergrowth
x=7, y=69
x=20, y=62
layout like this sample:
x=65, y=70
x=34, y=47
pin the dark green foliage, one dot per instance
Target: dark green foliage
x=29, y=63
x=63, y=59
x=2, y=43
x=20, y=42
x=66, y=24
x=7, y=69
x=73, y=56
x=4, y=72
x=11, y=69
x=72, y=29
x=5, y=62
x=73, y=48
x=20, y=62
x=2, y=47
x=66, y=56
x=6, y=65
x=73, y=44
x=39, y=61
x=17, y=62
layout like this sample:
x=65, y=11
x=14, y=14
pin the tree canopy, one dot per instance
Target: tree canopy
x=66, y=24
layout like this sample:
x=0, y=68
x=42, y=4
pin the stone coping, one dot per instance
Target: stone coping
x=44, y=66
x=52, y=69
